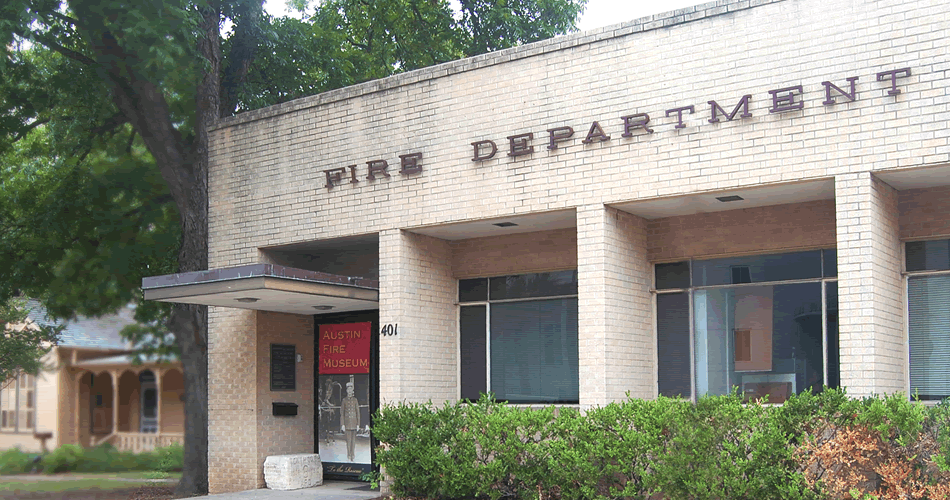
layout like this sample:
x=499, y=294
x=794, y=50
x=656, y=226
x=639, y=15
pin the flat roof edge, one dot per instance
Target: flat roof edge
x=643, y=24
x=254, y=271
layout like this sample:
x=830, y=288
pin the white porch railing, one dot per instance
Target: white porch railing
x=137, y=442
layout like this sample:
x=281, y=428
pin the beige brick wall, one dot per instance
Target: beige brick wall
x=267, y=167
x=418, y=293
x=284, y=435
x=735, y=232
x=924, y=213
x=515, y=254
x=242, y=431
x=873, y=346
x=232, y=400
x=615, y=327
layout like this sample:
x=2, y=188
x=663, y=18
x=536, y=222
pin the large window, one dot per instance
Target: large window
x=765, y=325
x=18, y=404
x=518, y=337
x=928, y=300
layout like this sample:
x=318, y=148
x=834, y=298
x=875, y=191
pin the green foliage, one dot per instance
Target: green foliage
x=22, y=345
x=103, y=458
x=718, y=447
x=938, y=425
x=352, y=41
x=170, y=458
x=14, y=461
x=62, y=459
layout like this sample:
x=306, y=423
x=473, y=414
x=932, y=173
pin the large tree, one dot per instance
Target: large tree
x=23, y=342
x=104, y=109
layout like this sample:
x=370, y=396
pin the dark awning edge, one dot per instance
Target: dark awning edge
x=265, y=287
x=252, y=271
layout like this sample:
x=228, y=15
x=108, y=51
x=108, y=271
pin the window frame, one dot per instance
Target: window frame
x=487, y=304
x=907, y=277
x=826, y=277
x=22, y=385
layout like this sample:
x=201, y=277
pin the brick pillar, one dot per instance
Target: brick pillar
x=418, y=294
x=873, y=347
x=232, y=400
x=617, y=347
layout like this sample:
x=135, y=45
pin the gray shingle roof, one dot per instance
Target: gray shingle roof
x=86, y=332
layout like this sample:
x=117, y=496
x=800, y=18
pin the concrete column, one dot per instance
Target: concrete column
x=617, y=346
x=232, y=400
x=418, y=293
x=873, y=345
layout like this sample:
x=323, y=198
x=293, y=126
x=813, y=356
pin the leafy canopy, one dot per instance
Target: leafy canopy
x=23, y=343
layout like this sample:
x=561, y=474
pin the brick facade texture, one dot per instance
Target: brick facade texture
x=269, y=174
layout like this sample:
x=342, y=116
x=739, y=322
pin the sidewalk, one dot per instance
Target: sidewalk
x=330, y=490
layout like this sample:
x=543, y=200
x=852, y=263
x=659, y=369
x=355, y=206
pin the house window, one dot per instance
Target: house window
x=18, y=404
x=765, y=325
x=518, y=337
x=928, y=315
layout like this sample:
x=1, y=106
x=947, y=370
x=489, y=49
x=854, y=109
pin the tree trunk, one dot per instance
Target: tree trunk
x=189, y=323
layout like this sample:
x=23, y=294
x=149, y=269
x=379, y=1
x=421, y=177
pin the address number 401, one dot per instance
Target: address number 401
x=389, y=330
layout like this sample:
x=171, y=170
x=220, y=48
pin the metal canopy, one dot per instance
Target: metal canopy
x=266, y=287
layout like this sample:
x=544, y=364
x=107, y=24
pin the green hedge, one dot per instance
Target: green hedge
x=717, y=448
x=103, y=458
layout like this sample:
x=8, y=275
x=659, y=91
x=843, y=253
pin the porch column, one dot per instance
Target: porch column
x=417, y=292
x=158, y=403
x=78, y=409
x=115, y=402
x=873, y=346
x=616, y=345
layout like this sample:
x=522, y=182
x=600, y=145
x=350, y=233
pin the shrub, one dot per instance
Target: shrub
x=170, y=459
x=878, y=447
x=62, y=459
x=14, y=461
x=814, y=446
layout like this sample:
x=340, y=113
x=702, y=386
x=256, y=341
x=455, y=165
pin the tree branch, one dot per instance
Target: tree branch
x=247, y=33
x=29, y=128
x=113, y=122
x=50, y=44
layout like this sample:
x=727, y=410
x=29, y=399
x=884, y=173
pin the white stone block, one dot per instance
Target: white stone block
x=293, y=472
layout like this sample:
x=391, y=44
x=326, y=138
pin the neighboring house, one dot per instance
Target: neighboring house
x=91, y=393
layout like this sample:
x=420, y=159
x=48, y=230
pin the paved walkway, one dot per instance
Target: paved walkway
x=330, y=490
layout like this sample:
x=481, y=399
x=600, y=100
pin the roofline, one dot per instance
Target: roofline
x=563, y=42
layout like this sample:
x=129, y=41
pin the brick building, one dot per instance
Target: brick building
x=737, y=194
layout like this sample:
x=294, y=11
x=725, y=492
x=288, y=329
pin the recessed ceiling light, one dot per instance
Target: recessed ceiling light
x=727, y=199
x=323, y=308
x=247, y=300
x=505, y=224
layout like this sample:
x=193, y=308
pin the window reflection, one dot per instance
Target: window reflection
x=762, y=340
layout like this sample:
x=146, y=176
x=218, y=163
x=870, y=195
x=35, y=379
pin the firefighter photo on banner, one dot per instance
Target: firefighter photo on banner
x=343, y=393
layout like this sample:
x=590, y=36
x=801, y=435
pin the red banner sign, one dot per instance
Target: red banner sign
x=345, y=348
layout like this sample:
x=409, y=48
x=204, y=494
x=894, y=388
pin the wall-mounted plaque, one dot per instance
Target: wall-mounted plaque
x=283, y=367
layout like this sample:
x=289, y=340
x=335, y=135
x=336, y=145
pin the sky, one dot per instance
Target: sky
x=598, y=13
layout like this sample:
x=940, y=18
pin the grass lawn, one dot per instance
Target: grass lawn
x=65, y=485
x=82, y=481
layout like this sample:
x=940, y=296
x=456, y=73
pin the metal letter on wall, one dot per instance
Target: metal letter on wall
x=344, y=395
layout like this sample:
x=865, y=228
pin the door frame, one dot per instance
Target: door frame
x=338, y=470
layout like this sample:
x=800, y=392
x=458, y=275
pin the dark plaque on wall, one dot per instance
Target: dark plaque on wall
x=283, y=367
